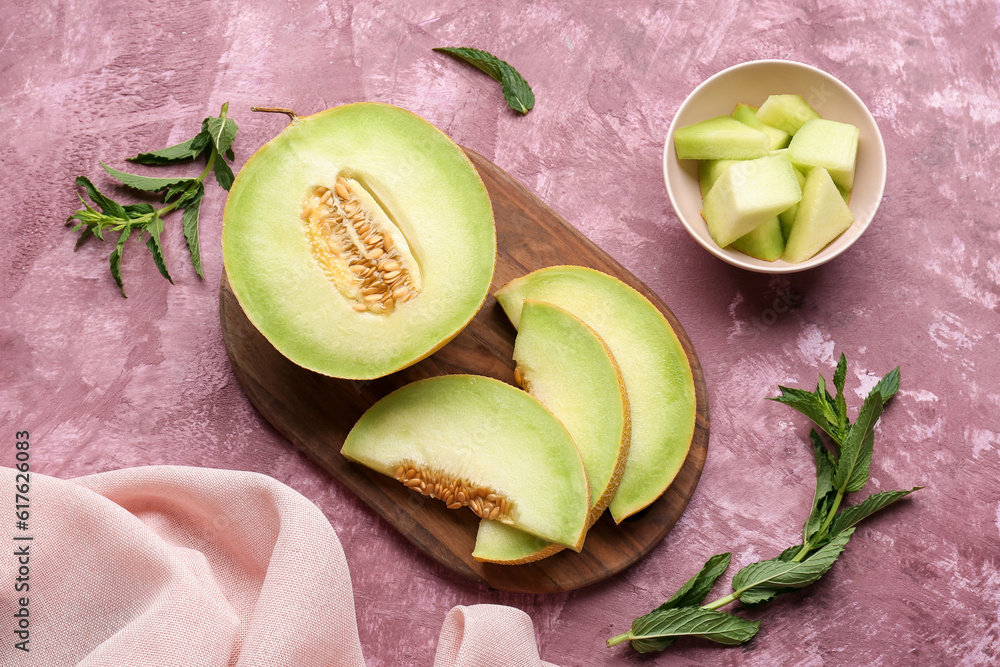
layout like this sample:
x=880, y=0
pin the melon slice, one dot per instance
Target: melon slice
x=657, y=375
x=359, y=240
x=747, y=115
x=720, y=138
x=823, y=216
x=787, y=217
x=478, y=442
x=747, y=194
x=571, y=371
x=786, y=112
x=828, y=144
x=766, y=242
x=709, y=172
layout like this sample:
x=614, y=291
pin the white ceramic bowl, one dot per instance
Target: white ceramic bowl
x=751, y=83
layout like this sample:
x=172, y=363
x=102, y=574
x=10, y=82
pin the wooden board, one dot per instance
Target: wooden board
x=316, y=412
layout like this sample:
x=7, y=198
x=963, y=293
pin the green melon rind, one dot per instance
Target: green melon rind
x=572, y=372
x=439, y=203
x=486, y=432
x=657, y=374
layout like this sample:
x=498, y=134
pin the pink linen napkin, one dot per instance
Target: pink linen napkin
x=176, y=566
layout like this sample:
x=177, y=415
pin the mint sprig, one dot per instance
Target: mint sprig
x=515, y=89
x=841, y=470
x=214, y=141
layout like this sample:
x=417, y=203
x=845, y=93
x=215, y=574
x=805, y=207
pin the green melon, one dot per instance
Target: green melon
x=822, y=216
x=720, y=138
x=477, y=442
x=565, y=365
x=359, y=240
x=657, y=375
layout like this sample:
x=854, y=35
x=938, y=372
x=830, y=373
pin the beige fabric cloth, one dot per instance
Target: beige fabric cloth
x=176, y=566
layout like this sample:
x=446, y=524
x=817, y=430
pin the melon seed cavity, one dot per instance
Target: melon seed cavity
x=455, y=493
x=359, y=248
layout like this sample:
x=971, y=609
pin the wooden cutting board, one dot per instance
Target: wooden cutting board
x=316, y=412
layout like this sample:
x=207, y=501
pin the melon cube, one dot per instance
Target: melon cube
x=720, y=138
x=766, y=242
x=827, y=144
x=821, y=218
x=747, y=194
x=787, y=217
x=786, y=112
x=747, y=115
x=709, y=172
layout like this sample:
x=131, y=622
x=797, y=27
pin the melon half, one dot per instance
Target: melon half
x=658, y=378
x=359, y=240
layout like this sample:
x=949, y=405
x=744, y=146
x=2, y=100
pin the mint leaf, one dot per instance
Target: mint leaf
x=145, y=182
x=116, y=259
x=186, y=150
x=657, y=630
x=855, y=514
x=889, y=385
x=856, y=453
x=222, y=130
x=840, y=374
x=824, y=495
x=515, y=89
x=812, y=406
x=108, y=206
x=223, y=174
x=189, y=221
x=155, y=227
x=777, y=573
x=139, y=211
x=693, y=592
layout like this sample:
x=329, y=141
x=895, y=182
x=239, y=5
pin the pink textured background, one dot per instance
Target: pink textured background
x=104, y=382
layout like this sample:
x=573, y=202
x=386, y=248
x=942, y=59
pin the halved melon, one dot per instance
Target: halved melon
x=359, y=240
x=657, y=375
x=478, y=442
x=565, y=365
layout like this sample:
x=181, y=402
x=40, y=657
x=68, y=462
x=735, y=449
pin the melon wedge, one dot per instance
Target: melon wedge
x=476, y=441
x=427, y=236
x=571, y=371
x=822, y=216
x=657, y=375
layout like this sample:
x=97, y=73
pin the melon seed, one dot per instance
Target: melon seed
x=359, y=248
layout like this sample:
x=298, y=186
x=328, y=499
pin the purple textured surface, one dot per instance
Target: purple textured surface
x=104, y=382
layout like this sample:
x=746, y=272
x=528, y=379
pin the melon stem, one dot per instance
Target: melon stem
x=288, y=112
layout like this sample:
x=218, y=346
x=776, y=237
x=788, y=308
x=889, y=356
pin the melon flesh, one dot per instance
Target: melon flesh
x=571, y=371
x=720, y=138
x=786, y=112
x=426, y=187
x=822, y=216
x=747, y=194
x=766, y=242
x=487, y=434
x=657, y=375
x=747, y=115
x=828, y=144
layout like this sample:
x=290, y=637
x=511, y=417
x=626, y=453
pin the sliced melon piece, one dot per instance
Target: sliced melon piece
x=822, y=217
x=766, y=242
x=786, y=112
x=565, y=365
x=828, y=144
x=478, y=442
x=787, y=217
x=747, y=115
x=359, y=240
x=709, y=172
x=657, y=375
x=747, y=194
x=720, y=138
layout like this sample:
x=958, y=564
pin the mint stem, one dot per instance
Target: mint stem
x=619, y=639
